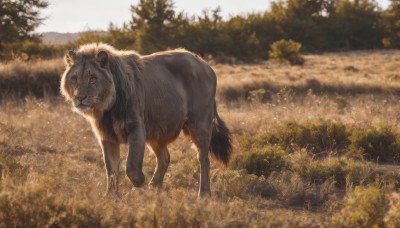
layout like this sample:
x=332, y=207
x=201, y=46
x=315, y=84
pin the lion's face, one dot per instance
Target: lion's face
x=88, y=84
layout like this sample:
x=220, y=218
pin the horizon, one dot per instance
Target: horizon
x=81, y=20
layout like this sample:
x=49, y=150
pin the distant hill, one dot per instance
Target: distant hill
x=59, y=38
x=63, y=38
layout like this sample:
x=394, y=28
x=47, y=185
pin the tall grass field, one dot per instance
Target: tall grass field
x=316, y=145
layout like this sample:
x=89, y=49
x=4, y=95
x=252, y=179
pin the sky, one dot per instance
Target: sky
x=80, y=15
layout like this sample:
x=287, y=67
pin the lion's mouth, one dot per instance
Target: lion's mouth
x=83, y=107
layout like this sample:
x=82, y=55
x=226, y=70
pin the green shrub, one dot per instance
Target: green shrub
x=36, y=50
x=378, y=144
x=28, y=50
x=321, y=137
x=287, y=51
x=340, y=169
x=317, y=136
x=251, y=142
x=262, y=161
x=237, y=183
x=365, y=207
x=293, y=190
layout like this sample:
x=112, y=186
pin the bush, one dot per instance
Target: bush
x=293, y=190
x=342, y=170
x=287, y=51
x=317, y=137
x=28, y=50
x=36, y=50
x=237, y=183
x=379, y=144
x=250, y=142
x=262, y=161
x=366, y=207
x=322, y=136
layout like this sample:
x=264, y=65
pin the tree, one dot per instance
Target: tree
x=243, y=37
x=153, y=22
x=300, y=20
x=329, y=24
x=121, y=38
x=358, y=24
x=391, y=20
x=206, y=33
x=18, y=19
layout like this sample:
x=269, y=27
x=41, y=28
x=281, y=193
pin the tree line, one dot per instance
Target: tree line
x=319, y=25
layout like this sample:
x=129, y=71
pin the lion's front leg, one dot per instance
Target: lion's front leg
x=111, y=154
x=134, y=161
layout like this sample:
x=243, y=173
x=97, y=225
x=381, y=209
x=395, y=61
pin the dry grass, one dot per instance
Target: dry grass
x=65, y=182
x=356, y=73
x=38, y=79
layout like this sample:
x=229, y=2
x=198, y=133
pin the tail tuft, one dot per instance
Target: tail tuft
x=221, y=141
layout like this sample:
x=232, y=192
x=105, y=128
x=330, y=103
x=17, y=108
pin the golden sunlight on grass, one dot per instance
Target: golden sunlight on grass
x=315, y=146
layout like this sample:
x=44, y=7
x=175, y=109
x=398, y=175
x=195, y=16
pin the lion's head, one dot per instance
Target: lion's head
x=87, y=81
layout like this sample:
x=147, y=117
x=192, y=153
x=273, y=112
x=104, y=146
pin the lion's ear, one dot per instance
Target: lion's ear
x=102, y=58
x=70, y=58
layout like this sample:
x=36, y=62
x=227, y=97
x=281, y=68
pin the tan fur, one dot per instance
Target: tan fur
x=135, y=99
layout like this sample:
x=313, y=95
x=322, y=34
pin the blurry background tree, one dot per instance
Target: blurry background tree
x=18, y=19
x=300, y=20
x=154, y=23
x=206, y=33
x=318, y=25
x=121, y=38
x=358, y=25
x=391, y=21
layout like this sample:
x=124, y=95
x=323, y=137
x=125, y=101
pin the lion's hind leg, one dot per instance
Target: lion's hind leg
x=200, y=133
x=163, y=159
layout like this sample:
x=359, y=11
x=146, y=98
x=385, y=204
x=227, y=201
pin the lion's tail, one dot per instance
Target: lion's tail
x=221, y=141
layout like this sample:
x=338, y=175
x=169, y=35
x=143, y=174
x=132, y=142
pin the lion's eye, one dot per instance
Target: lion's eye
x=92, y=80
x=74, y=79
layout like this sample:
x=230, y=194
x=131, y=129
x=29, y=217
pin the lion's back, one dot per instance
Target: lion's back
x=178, y=85
x=181, y=66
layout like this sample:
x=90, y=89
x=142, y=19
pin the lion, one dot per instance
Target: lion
x=136, y=99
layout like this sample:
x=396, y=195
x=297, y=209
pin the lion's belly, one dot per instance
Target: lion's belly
x=165, y=118
x=164, y=131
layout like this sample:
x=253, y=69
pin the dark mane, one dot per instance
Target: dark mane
x=124, y=67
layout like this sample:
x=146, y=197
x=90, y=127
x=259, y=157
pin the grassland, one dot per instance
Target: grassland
x=315, y=146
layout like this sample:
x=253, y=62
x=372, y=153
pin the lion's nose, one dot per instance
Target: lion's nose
x=81, y=98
